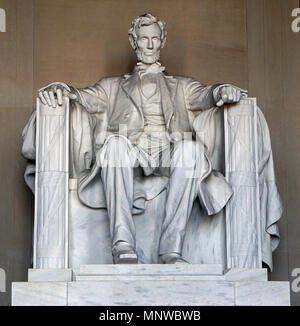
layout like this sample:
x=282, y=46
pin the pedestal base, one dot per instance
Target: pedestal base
x=150, y=285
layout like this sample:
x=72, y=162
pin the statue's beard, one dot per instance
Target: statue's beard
x=147, y=59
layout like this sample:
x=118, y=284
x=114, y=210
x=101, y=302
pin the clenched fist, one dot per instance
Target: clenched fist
x=229, y=94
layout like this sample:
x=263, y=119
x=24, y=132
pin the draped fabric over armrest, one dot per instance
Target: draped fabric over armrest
x=270, y=203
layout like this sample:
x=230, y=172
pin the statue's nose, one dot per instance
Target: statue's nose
x=150, y=44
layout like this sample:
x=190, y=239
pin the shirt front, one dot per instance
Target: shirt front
x=155, y=138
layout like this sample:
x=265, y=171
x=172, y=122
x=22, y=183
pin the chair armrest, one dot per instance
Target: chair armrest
x=51, y=186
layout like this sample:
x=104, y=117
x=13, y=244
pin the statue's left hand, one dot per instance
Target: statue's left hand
x=229, y=94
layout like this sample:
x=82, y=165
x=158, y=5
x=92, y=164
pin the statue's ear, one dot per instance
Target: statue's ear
x=132, y=42
x=163, y=42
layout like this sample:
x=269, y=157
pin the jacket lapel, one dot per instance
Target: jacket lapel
x=168, y=87
x=130, y=87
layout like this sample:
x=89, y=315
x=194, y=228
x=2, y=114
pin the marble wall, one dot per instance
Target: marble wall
x=16, y=104
x=245, y=42
x=273, y=69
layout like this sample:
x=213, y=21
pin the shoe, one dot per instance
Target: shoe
x=123, y=253
x=172, y=258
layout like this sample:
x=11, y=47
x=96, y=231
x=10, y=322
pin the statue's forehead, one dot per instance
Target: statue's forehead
x=147, y=30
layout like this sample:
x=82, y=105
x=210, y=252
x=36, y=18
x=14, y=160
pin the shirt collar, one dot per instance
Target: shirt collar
x=143, y=69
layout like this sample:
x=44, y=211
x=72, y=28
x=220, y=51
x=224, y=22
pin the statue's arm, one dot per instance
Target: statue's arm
x=93, y=99
x=201, y=97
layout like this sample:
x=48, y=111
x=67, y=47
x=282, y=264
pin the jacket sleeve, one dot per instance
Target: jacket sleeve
x=93, y=98
x=199, y=96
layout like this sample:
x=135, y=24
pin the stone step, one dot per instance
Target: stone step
x=151, y=269
x=147, y=275
x=244, y=274
x=143, y=273
x=149, y=285
x=50, y=275
x=151, y=293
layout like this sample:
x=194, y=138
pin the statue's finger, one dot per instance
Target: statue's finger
x=220, y=103
x=59, y=96
x=234, y=94
x=72, y=96
x=46, y=95
x=225, y=97
x=52, y=98
x=42, y=98
x=230, y=94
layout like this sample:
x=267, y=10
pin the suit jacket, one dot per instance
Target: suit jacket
x=117, y=102
x=119, y=99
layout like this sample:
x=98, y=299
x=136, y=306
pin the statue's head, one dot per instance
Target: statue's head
x=147, y=36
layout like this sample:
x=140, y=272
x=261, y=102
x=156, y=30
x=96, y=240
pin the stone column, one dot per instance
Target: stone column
x=243, y=228
x=51, y=197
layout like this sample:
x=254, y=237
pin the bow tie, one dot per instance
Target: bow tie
x=144, y=69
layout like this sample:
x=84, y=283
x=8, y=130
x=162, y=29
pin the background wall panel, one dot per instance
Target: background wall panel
x=80, y=41
x=245, y=42
x=16, y=103
x=274, y=70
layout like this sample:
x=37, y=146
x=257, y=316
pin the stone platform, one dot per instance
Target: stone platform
x=113, y=285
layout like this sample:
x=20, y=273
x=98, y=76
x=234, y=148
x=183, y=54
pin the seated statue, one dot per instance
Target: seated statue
x=151, y=123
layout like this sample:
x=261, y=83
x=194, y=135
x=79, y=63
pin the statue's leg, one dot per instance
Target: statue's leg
x=182, y=191
x=117, y=178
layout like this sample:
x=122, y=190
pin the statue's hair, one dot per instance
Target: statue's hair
x=146, y=20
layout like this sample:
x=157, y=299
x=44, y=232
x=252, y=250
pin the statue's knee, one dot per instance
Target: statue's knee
x=118, y=152
x=116, y=144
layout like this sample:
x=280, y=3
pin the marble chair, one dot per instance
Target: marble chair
x=60, y=146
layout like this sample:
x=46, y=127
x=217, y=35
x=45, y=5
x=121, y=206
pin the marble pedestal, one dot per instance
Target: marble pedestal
x=113, y=285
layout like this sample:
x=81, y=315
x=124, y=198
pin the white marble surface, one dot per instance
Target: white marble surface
x=117, y=105
x=151, y=293
x=167, y=272
x=49, y=275
x=51, y=186
x=231, y=275
x=39, y=294
x=244, y=274
x=153, y=285
x=243, y=223
x=173, y=277
x=262, y=293
x=89, y=238
x=154, y=269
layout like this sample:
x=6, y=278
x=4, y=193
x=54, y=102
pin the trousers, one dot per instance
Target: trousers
x=182, y=159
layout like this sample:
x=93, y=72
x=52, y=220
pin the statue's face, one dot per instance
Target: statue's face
x=148, y=43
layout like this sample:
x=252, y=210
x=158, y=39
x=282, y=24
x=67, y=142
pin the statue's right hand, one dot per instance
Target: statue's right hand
x=52, y=94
